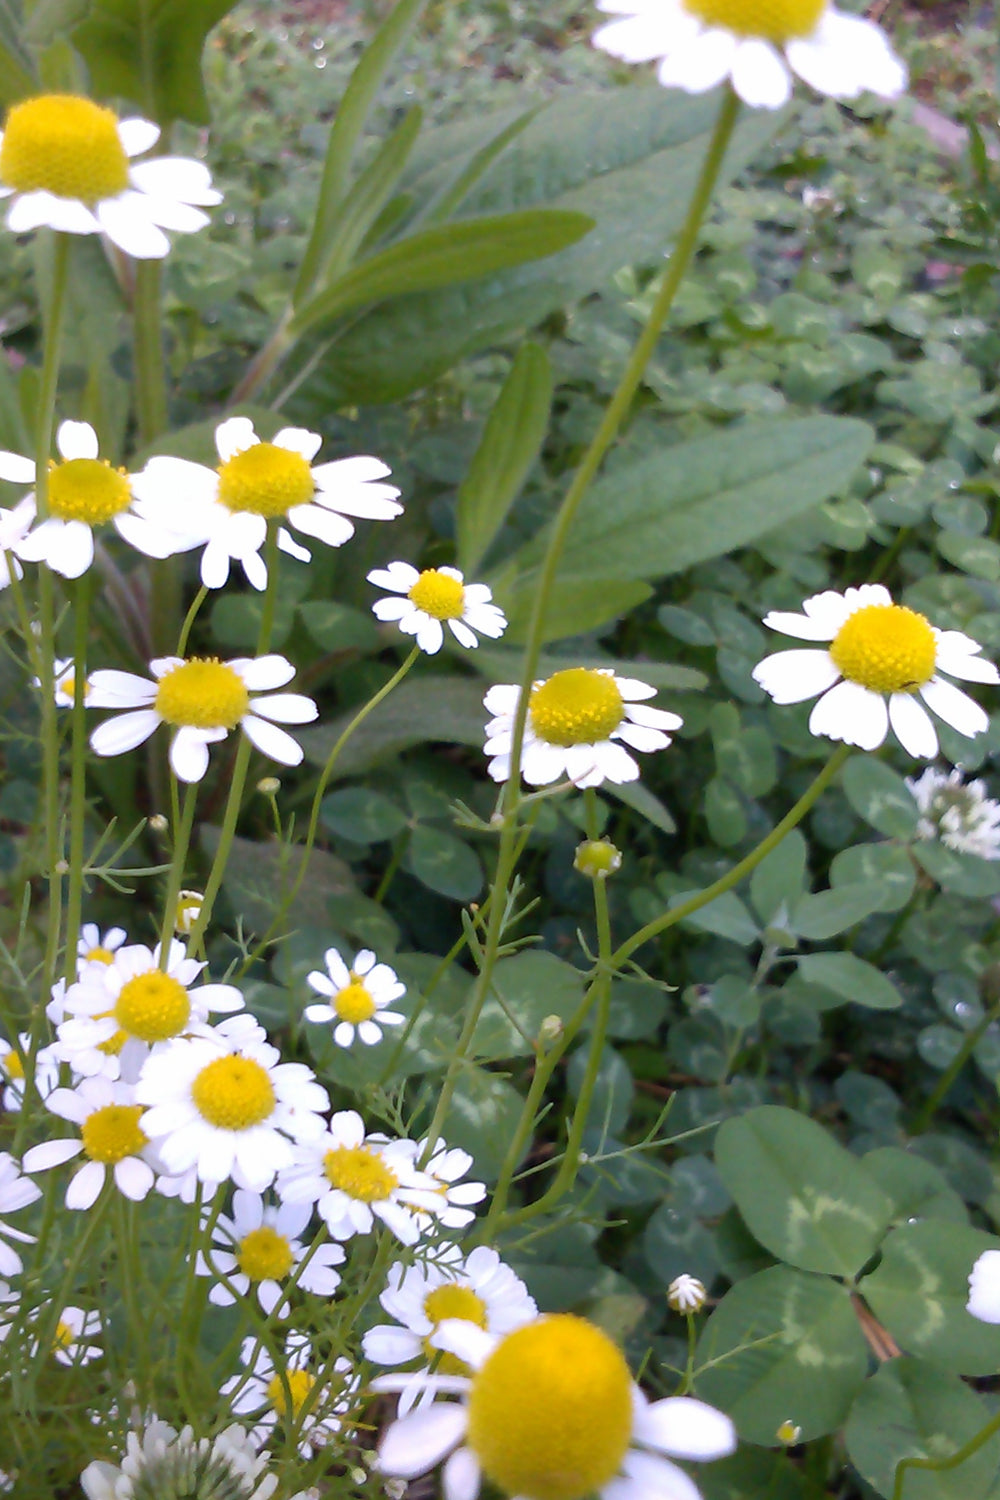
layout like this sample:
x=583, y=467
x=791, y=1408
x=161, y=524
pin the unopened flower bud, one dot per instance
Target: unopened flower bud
x=788, y=1433
x=686, y=1294
x=158, y=823
x=189, y=904
x=62, y=867
x=268, y=786
x=550, y=1030
x=597, y=859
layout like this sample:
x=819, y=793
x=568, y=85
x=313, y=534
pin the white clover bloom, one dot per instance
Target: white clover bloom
x=958, y=813
x=579, y=722
x=70, y=1341
x=164, y=1462
x=260, y=1247
x=882, y=659
x=16, y=1192
x=984, y=1288
x=226, y=510
x=358, y=997
x=65, y=162
x=478, y=1288
x=225, y=1103
x=110, y=1137
x=262, y=1386
x=454, y=1198
x=754, y=44
x=202, y=699
x=12, y=1060
x=550, y=1409
x=686, y=1294
x=14, y=527
x=354, y=1179
x=422, y=603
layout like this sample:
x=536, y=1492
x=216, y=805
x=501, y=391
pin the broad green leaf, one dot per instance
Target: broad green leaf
x=888, y=865
x=919, y=1291
x=575, y=606
x=362, y=815
x=17, y=70
x=527, y=988
x=484, y=1113
x=511, y=442
x=641, y=800
x=444, y=863
x=446, y=709
x=917, y=1189
x=258, y=875
x=674, y=1243
x=440, y=256
x=724, y=813
x=779, y=879
x=851, y=978
x=744, y=753
x=501, y=665
x=963, y=874
x=782, y=1346
x=338, y=627
x=824, y=914
x=726, y=916
x=804, y=1197
x=444, y=203
x=751, y=1474
x=150, y=53
x=881, y=797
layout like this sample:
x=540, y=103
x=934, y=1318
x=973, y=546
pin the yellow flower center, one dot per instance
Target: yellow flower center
x=300, y=1383
x=67, y=684
x=88, y=489
x=12, y=1066
x=265, y=479
x=114, y=1044
x=360, y=1172
x=64, y=1337
x=354, y=1003
x=438, y=595
x=452, y=1301
x=265, y=1255
x=189, y=904
x=550, y=1411
x=775, y=20
x=577, y=707
x=152, y=1007
x=99, y=955
x=885, y=647
x=112, y=1133
x=233, y=1093
x=203, y=693
x=63, y=145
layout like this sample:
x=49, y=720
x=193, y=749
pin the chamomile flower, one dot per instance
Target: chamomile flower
x=202, y=699
x=14, y=527
x=686, y=1294
x=756, y=44
x=169, y=1464
x=16, y=1192
x=882, y=660
x=259, y=1247
x=984, y=1288
x=97, y=947
x=111, y=1139
x=66, y=162
x=70, y=1342
x=957, y=812
x=358, y=997
x=225, y=1103
x=272, y=1394
x=422, y=603
x=579, y=722
x=189, y=905
x=226, y=509
x=454, y=1198
x=12, y=1060
x=354, y=1179
x=64, y=685
x=549, y=1411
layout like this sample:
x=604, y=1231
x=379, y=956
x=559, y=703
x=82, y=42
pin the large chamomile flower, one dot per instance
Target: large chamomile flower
x=756, y=44
x=282, y=1393
x=579, y=722
x=202, y=699
x=110, y=1138
x=550, y=1412
x=169, y=1464
x=16, y=1192
x=66, y=162
x=226, y=510
x=422, y=603
x=882, y=659
x=358, y=997
x=259, y=1247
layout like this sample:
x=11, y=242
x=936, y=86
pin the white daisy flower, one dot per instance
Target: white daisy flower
x=260, y=1247
x=452, y=1206
x=110, y=1138
x=984, y=1288
x=97, y=947
x=64, y=681
x=686, y=1294
x=479, y=1289
x=579, y=722
x=757, y=45
x=203, y=700
x=12, y=1060
x=65, y=162
x=189, y=905
x=422, y=603
x=16, y=1192
x=882, y=659
x=958, y=813
x=14, y=527
x=262, y=1387
x=354, y=1179
x=162, y=1461
x=358, y=997
x=224, y=1102
x=70, y=1341
x=550, y=1409
x=226, y=510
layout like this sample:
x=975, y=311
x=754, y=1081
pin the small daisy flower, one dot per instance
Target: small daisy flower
x=66, y=162
x=14, y=527
x=358, y=997
x=984, y=1288
x=549, y=1410
x=958, y=813
x=424, y=602
x=354, y=1179
x=224, y=1102
x=202, y=699
x=757, y=45
x=284, y=1398
x=162, y=1461
x=881, y=661
x=12, y=1061
x=226, y=510
x=70, y=1341
x=452, y=1207
x=111, y=1139
x=64, y=686
x=16, y=1192
x=579, y=722
x=189, y=905
x=97, y=947
x=260, y=1247
x=686, y=1294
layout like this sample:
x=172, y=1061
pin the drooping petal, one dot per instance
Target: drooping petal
x=794, y=676
x=272, y=741
x=17, y=469
x=851, y=713
x=189, y=754
x=124, y=220
x=954, y=707
x=124, y=732
x=460, y=1478
x=417, y=1442
x=760, y=76
x=912, y=726
x=701, y=63
x=685, y=1428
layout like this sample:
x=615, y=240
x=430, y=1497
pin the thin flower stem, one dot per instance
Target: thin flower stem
x=953, y=1461
x=175, y=879
x=189, y=619
x=939, y=1093
x=78, y=774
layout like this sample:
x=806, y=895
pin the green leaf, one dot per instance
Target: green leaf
x=444, y=863
x=881, y=797
x=824, y=914
x=920, y=1289
x=783, y=1347
x=779, y=879
x=17, y=70
x=804, y=1197
x=443, y=709
x=752, y=1474
x=484, y=1114
x=726, y=916
x=369, y=194
x=510, y=445
x=338, y=627
x=888, y=865
x=575, y=606
x=364, y=816
x=916, y=1187
x=258, y=875
x=851, y=978
x=963, y=874
x=150, y=53
x=611, y=1101
x=526, y=989
x=641, y=800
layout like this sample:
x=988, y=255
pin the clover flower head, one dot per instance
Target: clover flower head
x=957, y=812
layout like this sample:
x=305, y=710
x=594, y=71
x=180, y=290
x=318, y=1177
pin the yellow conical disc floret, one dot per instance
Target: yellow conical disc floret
x=300, y=1383
x=775, y=20
x=265, y=479
x=452, y=1301
x=438, y=595
x=264, y=1254
x=359, y=1172
x=203, y=693
x=112, y=1133
x=233, y=1093
x=62, y=144
x=885, y=647
x=152, y=1007
x=580, y=706
x=88, y=489
x=550, y=1411
x=354, y=1002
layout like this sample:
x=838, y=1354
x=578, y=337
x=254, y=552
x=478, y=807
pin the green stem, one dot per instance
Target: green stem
x=953, y=1461
x=939, y=1093
x=78, y=775
x=182, y=840
x=189, y=620
x=150, y=370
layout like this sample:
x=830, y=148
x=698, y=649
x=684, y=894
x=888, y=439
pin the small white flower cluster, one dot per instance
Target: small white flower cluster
x=957, y=812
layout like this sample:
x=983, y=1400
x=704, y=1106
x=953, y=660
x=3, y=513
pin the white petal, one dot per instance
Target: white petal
x=851, y=713
x=125, y=222
x=759, y=75
x=793, y=676
x=912, y=726
x=125, y=732
x=299, y=440
x=461, y=1478
x=133, y=1178
x=17, y=469
x=502, y=699
x=393, y=608
x=262, y=673
x=77, y=440
x=85, y=1186
x=429, y=632
x=235, y=436
x=651, y=1478
x=189, y=754
x=325, y=525
x=685, y=1428
x=288, y=544
x=958, y=656
x=642, y=37
x=845, y=55
x=463, y=635
x=110, y=688
x=984, y=1288
x=701, y=63
x=286, y=708
x=137, y=135
x=954, y=707
x=30, y=210
x=421, y=1440
x=272, y=741
x=470, y=1344
x=176, y=177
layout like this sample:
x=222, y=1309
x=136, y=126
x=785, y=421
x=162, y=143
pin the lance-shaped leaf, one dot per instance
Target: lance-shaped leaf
x=150, y=53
